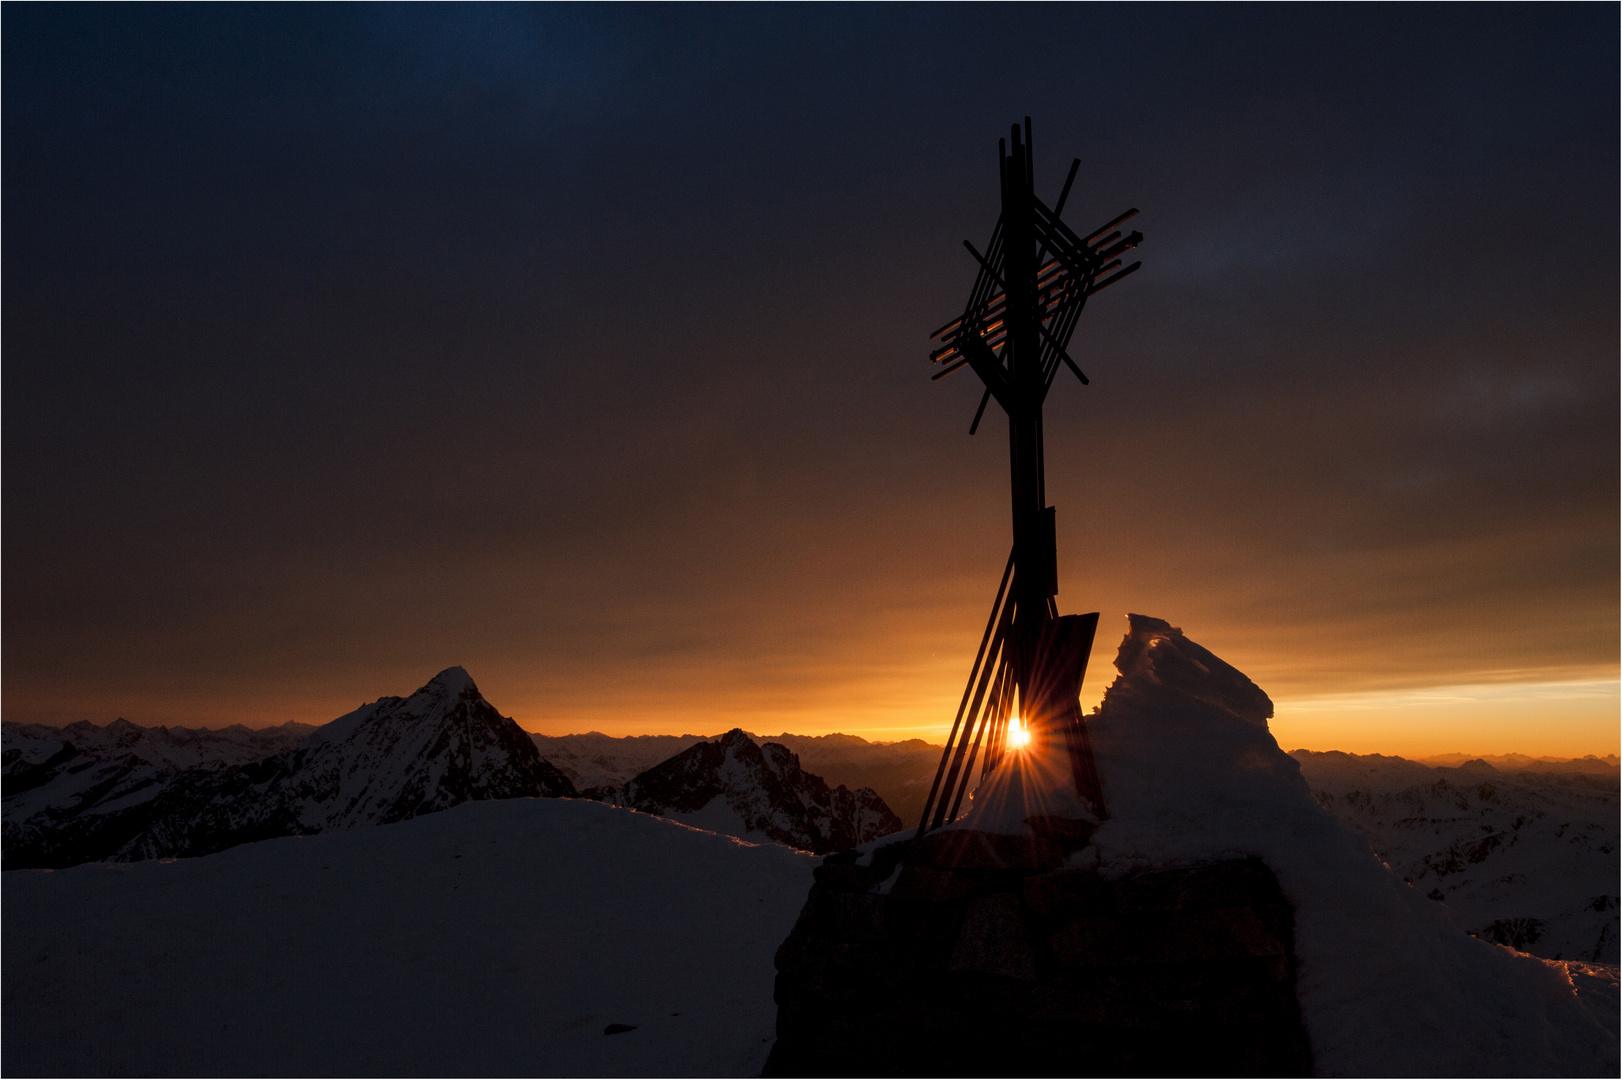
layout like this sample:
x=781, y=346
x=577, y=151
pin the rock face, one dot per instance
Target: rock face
x=979, y=954
x=737, y=786
x=393, y=759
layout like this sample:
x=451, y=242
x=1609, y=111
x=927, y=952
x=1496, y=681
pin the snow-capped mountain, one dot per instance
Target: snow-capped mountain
x=391, y=760
x=899, y=772
x=758, y=792
x=1527, y=859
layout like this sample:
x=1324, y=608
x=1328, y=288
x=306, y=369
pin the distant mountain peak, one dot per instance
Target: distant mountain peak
x=736, y=785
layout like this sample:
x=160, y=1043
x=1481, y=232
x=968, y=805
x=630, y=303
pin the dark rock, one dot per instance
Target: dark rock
x=1518, y=934
x=1009, y=966
x=968, y=849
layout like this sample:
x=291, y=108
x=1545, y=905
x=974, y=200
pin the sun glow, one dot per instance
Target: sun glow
x=1018, y=737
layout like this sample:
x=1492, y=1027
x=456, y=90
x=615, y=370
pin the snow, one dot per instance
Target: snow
x=108, y=785
x=494, y=938
x=1388, y=984
x=718, y=816
x=1536, y=849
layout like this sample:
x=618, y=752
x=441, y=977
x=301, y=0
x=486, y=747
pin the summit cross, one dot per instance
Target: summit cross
x=1035, y=277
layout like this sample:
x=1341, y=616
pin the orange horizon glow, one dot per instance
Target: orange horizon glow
x=1566, y=718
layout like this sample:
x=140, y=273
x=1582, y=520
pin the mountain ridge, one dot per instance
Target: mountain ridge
x=392, y=759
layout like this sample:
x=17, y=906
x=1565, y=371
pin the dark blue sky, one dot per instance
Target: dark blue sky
x=586, y=347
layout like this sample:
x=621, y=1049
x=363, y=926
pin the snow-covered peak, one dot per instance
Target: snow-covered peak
x=453, y=682
x=434, y=702
x=1158, y=664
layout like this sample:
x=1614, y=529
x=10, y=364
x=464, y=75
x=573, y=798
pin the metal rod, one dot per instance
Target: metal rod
x=996, y=609
x=995, y=748
x=968, y=766
x=981, y=411
x=999, y=643
x=956, y=771
x=1064, y=193
x=1125, y=245
x=1101, y=286
x=1100, y=232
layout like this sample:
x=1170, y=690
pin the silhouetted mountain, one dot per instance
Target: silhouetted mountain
x=393, y=759
x=736, y=786
x=1514, y=763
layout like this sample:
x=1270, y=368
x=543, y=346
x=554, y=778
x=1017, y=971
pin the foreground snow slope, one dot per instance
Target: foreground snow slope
x=494, y=938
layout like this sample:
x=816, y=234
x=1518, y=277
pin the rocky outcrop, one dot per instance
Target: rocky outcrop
x=737, y=786
x=391, y=760
x=979, y=954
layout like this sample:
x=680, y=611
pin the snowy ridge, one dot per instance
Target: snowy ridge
x=735, y=786
x=1527, y=859
x=391, y=760
x=53, y=775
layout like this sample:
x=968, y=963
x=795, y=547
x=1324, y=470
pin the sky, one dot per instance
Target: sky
x=587, y=348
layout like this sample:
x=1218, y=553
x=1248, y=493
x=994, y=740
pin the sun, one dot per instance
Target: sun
x=1018, y=736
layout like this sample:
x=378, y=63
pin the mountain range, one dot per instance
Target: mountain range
x=119, y=796
x=1523, y=851
x=900, y=772
x=123, y=792
x=1527, y=858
